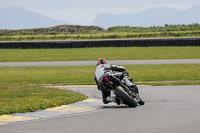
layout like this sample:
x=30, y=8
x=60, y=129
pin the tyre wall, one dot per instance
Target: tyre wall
x=103, y=43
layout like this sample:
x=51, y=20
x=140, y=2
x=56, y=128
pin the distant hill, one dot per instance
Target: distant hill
x=158, y=16
x=18, y=18
x=63, y=28
x=73, y=28
x=52, y=30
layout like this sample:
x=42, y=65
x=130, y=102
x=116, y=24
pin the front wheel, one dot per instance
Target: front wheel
x=125, y=97
x=141, y=102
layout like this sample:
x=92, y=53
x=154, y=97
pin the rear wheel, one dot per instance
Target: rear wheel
x=125, y=97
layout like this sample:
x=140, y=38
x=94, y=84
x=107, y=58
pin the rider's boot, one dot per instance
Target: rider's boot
x=114, y=99
x=127, y=81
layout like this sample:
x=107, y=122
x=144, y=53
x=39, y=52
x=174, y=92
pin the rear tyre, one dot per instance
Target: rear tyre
x=125, y=97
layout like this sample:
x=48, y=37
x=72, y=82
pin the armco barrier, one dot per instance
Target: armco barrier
x=103, y=43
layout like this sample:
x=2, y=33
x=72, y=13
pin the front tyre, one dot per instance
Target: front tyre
x=141, y=102
x=125, y=97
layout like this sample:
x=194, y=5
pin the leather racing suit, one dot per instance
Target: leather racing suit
x=105, y=70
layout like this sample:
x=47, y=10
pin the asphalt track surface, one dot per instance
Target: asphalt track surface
x=117, y=62
x=168, y=109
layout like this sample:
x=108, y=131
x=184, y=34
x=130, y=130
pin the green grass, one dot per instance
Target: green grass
x=84, y=32
x=123, y=53
x=120, y=35
x=18, y=98
x=85, y=74
x=98, y=35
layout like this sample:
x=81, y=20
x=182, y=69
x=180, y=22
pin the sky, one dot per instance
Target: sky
x=83, y=12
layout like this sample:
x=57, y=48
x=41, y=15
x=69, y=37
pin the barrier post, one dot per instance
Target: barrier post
x=78, y=33
x=193, y=29
x=91, y=32
x=20, y=34
x=32, y=33
x=43, y=34
x=141, y=30
x=166, y=29
x=102, y=32
x=127, y=31
x=66, y=32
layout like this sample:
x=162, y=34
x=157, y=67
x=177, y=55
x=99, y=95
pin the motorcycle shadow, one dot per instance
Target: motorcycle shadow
x=116, y=107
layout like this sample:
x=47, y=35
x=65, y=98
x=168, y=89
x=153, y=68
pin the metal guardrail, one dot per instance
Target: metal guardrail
x=103, y=43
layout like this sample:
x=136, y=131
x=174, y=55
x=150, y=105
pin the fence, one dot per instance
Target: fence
x=103, y=43
x=91, y=33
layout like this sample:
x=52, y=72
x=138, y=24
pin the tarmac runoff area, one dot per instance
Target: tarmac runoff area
x=117, y=62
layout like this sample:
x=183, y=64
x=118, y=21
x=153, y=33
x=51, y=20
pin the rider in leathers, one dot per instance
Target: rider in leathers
x=103, y=69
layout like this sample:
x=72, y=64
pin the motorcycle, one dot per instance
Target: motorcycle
x=127, y=95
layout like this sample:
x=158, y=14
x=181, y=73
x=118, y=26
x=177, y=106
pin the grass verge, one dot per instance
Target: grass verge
x=123, y=53
x=85, y=74
x=18, y=98
x=98, y=35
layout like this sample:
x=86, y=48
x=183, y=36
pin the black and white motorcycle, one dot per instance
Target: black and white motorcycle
x=127, y=95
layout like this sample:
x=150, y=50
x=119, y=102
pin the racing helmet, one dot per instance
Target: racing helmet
x=101, y=61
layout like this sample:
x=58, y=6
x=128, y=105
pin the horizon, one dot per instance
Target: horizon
x=76, y=11
x=43, y=14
